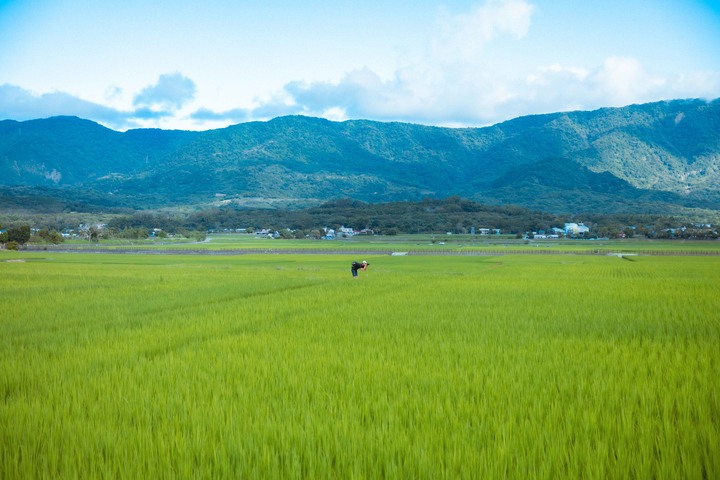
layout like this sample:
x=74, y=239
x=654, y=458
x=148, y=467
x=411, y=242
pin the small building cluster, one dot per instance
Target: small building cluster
x=569, y=230
x=345, y=232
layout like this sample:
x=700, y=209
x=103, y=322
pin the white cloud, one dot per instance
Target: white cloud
x=460, y=82
x=336, y=114
x=155, y=104
x=449, y=86
x=113, y=92
x=477, y=68
x=457, y=95
x=234, y=115
x=477, y=62
x=171, y=92
x=462, y=94
x=618, y=81
x=545, y=75
x=19, y=104
x=695, y=84
x=622, y=80
x=463, y=37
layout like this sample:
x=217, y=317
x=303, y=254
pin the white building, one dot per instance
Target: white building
x=576, y=229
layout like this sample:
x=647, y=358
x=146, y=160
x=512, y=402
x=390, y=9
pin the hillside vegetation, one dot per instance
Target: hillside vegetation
x=653, y=158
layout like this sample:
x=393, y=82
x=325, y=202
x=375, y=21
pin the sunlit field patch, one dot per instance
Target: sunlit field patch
x=248, y=366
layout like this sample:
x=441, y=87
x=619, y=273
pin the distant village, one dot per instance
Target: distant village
x=571, y=230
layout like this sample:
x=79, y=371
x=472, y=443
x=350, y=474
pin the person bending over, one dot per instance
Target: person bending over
x=358, y=266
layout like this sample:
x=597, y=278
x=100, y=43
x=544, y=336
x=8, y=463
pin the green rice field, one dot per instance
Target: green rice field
x=284, y=366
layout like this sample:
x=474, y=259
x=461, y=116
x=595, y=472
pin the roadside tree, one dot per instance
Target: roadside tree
x=20, y=235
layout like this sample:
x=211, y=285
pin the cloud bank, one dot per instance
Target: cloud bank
x=454, y=82
x=455, y=95
x=463, y=37
x=170, y=93
x=19, y=104
x=161, y=100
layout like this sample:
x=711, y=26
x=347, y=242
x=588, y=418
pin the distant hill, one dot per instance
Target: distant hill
x=655, y=157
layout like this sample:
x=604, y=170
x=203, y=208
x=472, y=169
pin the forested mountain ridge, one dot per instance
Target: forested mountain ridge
x=637, y=158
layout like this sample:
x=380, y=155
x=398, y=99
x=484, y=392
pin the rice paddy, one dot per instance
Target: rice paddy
x=267, y=366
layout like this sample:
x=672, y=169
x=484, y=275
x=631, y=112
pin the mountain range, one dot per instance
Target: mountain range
x=652, y=158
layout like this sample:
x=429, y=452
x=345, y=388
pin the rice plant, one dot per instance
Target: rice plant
x=258, y=366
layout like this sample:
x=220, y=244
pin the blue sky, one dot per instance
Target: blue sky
x=201, y=65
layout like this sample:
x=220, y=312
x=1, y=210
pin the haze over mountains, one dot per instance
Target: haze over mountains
x=650, y=158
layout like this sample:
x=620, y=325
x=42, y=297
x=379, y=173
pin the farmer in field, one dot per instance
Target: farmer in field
x=358, y=266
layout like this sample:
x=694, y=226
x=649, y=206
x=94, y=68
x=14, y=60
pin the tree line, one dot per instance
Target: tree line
x=453, y=214
x=13, y=237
